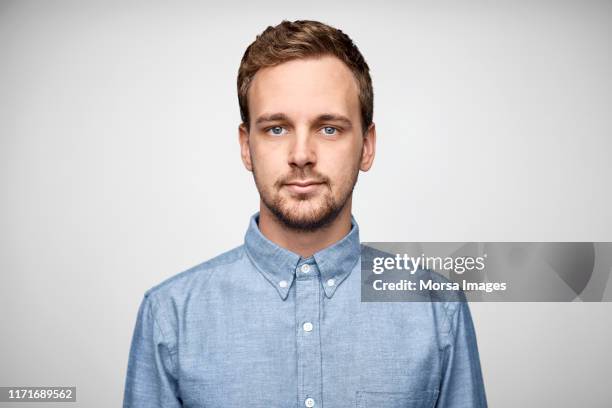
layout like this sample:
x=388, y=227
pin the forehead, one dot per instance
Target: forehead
x=305, y=87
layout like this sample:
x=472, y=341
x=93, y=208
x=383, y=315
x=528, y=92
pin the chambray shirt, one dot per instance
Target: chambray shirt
x=260, y=326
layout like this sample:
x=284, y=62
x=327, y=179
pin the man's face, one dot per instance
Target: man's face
x=305, y=144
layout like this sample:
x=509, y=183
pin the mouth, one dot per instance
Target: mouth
x=303, y=187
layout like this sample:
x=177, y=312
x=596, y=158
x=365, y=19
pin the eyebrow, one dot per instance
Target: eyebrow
x=325, y=117
x=274, y=117
x=330, y=117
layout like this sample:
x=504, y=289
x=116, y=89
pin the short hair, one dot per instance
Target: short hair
x=304, y=39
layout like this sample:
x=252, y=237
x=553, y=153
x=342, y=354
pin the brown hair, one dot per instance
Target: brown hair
x=302, y=39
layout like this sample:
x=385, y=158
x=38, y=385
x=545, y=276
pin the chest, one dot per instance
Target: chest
x=336, y=352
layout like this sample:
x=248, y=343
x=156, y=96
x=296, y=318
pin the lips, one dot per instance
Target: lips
x=305, y=183
x=303, y=186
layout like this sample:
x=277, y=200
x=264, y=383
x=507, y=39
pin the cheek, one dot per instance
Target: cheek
x=340, y=171
x=268, y=163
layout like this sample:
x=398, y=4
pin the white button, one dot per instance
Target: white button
x=331, y=282
x=305, y=268
x=309, y=402
x=307, y=326
x=282, y=284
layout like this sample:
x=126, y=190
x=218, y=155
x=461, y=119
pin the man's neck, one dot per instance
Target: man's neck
x=303, y=243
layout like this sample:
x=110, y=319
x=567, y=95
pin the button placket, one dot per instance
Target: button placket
x=307, y=295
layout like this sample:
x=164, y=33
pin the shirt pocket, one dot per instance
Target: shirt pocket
x=418, y=399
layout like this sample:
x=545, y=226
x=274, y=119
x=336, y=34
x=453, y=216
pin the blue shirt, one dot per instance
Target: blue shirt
x=260, y=326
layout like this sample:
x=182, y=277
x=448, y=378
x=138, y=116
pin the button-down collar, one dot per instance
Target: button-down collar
x=278, y=265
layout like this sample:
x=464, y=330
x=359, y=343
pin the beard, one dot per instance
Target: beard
x=306, y=212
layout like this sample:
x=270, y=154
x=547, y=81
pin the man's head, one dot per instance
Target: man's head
x=306, y=100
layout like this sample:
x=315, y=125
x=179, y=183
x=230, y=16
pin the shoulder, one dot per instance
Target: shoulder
x=443, y=297
x=182, y=284
x=447, y=298
x=168, y=300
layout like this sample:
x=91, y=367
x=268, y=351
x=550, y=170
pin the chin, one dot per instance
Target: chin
x=304, y=215
x=308, y=217
x=304, y=208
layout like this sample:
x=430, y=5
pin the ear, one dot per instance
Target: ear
x=369, y=148
x=245, y=152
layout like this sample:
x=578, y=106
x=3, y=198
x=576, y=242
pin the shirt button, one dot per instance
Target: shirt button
x=331, y=282
x=307, y=326
x=305, y=268
x=309, y=402
x=282, y=284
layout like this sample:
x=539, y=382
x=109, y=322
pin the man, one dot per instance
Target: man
x=278, y=321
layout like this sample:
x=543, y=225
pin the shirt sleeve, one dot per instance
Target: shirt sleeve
x=462, y=383
x=151, y=375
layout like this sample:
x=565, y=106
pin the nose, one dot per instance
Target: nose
x=302, y=150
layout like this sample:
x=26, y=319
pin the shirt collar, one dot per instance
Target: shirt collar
x=278, y=265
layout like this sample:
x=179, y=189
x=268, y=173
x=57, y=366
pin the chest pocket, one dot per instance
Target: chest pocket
x=421, y=399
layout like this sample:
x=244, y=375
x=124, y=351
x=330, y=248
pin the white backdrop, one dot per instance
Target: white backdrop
x=119, y=167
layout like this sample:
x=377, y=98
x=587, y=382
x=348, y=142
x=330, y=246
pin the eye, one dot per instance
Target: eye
x=276, y=130
x=329, y=130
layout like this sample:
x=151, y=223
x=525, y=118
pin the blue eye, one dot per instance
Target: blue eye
x=329, y=130
x=276, y=130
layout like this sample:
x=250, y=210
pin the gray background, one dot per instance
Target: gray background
x=119, y=167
